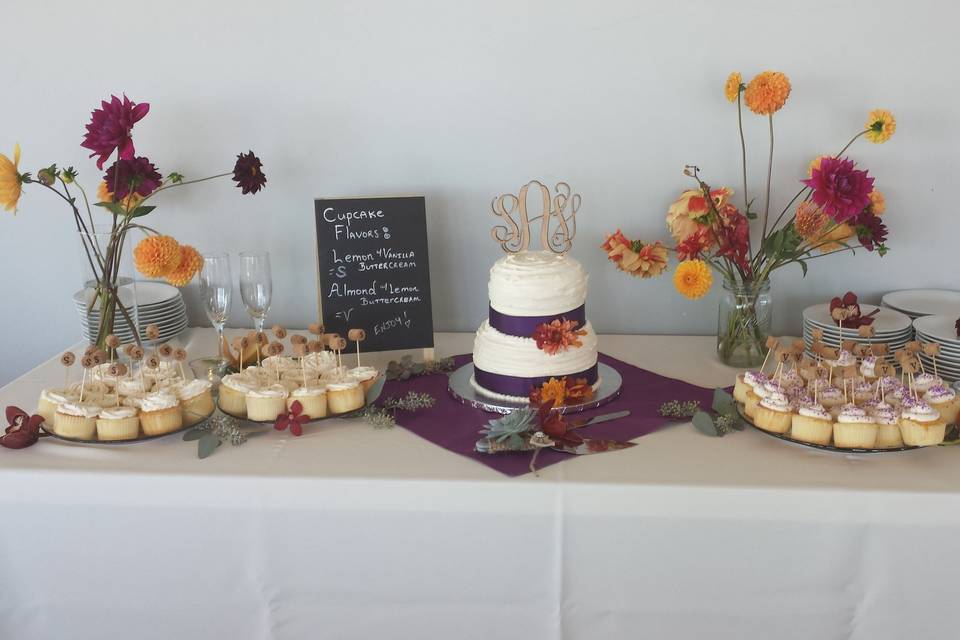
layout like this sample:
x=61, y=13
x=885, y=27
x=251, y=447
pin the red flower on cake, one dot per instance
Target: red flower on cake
x=558, y=336
x=553, y=424
x=24, y=429
x=294, y=419
x=562, y=391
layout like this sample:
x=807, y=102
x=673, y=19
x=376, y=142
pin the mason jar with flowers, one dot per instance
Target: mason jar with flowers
x=836, y=209
x=105, y=223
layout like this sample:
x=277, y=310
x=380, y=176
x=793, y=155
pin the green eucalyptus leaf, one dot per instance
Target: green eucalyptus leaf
x=142, y=211
x=193, y=434
x=723, y=402
x=737, y=422
x=207, y=444
x=704, y=424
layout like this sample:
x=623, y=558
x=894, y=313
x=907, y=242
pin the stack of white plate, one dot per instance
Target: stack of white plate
x=157, y=303
x=917, y=303
x=891, y=327
x=942, y=330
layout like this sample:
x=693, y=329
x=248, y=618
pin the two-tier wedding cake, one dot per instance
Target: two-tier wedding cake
x=537, y=328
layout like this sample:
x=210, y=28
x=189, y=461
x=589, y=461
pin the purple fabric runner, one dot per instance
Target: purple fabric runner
x=517, y=386
x=455, y=426
x=523, y=326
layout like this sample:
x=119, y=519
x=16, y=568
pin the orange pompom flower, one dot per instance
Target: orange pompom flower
x=814, y=165
x=733, y=86
x=878, y=203
x=189, y=264
x=693, y=279
x=767, y=92
x=156, y=256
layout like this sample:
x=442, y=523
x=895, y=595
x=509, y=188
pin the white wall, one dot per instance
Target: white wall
x=461, y=101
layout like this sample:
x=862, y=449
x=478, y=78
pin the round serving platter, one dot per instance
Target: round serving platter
x=822, y=447
x=142, y=438
x=373, y=394
x=461, y=388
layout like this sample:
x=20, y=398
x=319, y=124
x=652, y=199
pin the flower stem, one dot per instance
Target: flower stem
x=766, y=206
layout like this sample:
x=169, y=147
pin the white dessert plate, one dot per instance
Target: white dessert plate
x=886, y=321
x=149, y=294
x=924, y=302
x=940, y=328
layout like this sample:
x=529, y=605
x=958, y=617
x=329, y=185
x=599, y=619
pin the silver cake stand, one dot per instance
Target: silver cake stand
x=461, y=388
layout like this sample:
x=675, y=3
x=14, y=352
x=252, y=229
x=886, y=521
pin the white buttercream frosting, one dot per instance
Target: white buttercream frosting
x=923, y=381
x=537, y=283
x=118, y=413
x=130, y=386
x=920, y=411
x=158, y=401
x=312, y=391
x=844, y=359
x=193, y=388
x=56, y=396
x=363, y=373
x=508, y=355
x=883, y=413
x=814, y=411
x=343, y=385
x=239, y=382
x=321, y=360
x=273, y=391
x=83, y=409
x=753, y=378
x=938, y=394
x=869, y=366
x=776, y=401
x=851, y=413
x=279, y=362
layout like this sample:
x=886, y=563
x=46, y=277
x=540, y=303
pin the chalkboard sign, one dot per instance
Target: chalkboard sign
x=373, y=270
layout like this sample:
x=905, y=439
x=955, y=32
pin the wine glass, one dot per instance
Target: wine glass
x=256, y=285
x=216, y=287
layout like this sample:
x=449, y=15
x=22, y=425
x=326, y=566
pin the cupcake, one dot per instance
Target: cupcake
x=266, y=403
x=945, y=400
x=335, y=374
x=812, y=423
x=160, y=413
x=118, y=423
x=854, y=429
x=773, y=413
x=751, y=379
x=920, y=424
x=868, y=368
x=50, y=399
x=896, y=396
x=344, y=396
x=273, y=364
x=75, y=419
x=165, y=371
x=313, y=399
x=923, y=381
x=320, y=361
x=756, y=394
x=366, y=376
x=862, y=392
x=831, y=399
x=233, y=392
x=134, y=386
x=196, y=400
x=888, y=426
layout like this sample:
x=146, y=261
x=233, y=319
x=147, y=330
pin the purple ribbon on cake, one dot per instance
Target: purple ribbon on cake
x=517, y=386
x=524, y=326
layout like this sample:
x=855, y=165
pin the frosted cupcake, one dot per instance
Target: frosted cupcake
x=320, y=361
x=266, y=403
x=344, y=396
x=134, y=386
x=923, y=381
x=118, y=423
x=747, y=381
x=160, y=413
x=812, y=423
x=868, y=368
x=233, y=393
x=50, y=399
x=196, y=400
x=366, y=376
x=313, y=399
x=862, y=392
x=854, y=429
x=831, y=398
x=921, y=424
x=75, y=419
x=336, y=374
x=755, y=395
x=945, y=400
x=773, y=412
x=888, y=426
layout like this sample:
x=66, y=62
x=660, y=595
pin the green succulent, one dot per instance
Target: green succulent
x=511, y=427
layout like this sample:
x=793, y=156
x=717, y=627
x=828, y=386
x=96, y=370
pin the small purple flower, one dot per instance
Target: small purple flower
x=248, y=173
x=137, y=175
x=110, y=128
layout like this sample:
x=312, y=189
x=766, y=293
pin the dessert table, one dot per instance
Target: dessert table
x=354, y=532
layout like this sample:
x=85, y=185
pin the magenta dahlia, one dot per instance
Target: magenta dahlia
x=248, y=173
x=840, y=190
x=110, y=128
x=137, y=175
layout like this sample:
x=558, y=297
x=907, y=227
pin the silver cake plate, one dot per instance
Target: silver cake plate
x=462, y=389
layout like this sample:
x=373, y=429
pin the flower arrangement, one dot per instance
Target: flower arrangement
x=127, y=184
x=836, y=209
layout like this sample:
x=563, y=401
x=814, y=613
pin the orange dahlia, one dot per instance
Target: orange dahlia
x=156, y=256
x=767, y=92
x=880, y=126
x=878, y=204
x=189, y=264
x=105, y=195
x=733, y=86
x=693, y=279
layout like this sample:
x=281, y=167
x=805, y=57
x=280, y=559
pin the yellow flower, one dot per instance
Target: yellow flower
x=831, y=239
x=105, y=195
x=156, y=256
x=810, y=221
x=814, y=164
x=189, y=264
x=767, y=92
x=555, y=390
x=732, y=88
x=10, y=185
x=880, y=126
x=878, y=204
x=693, y=279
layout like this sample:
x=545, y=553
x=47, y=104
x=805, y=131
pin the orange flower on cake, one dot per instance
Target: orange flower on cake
x=156, y=256
x=767, y=92
x=559, y=335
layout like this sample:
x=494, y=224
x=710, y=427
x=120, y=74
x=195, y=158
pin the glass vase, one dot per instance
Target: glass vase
x=107, y=303
x=743, y=323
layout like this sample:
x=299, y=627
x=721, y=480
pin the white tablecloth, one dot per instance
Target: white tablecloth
x=351, y=532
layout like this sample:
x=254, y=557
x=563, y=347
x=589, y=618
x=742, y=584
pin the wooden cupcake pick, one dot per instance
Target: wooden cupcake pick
x=867, y=331
x=152, y=332
x=358, y=336
x=772, y=345
x=300, y=350
x=274, y=349
x=136, y=355
x=116, y=370
x=87, y=362
x=932, y=349
x=330, y=340
x=180, y=355
x=67, y=360
x=112, y=343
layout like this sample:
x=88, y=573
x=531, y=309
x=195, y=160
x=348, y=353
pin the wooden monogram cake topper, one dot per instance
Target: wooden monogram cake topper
x=556, y=212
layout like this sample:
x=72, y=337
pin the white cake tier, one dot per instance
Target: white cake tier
x=537, y=283
x=496, y=352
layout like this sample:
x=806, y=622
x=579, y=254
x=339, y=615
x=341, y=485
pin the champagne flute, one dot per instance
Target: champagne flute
x=256, y=285
x=216, y=287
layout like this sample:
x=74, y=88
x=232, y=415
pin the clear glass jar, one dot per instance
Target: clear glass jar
x=107, y=303
x=743, y=323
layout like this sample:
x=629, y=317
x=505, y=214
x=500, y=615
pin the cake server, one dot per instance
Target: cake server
x=602, y=418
